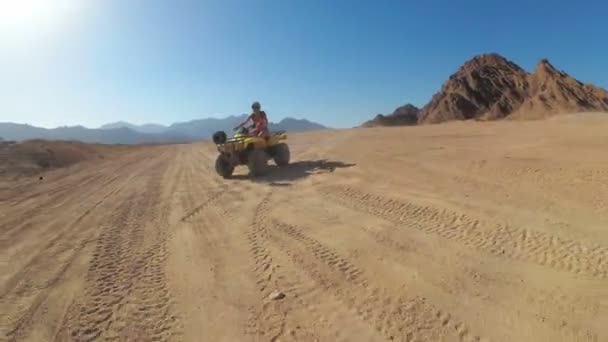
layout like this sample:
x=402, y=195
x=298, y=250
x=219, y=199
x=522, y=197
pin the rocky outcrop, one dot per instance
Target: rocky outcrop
x=490, y=87
x=552, y=92
x=485, y=87
x=402, y=116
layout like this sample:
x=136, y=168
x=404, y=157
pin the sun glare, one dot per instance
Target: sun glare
x=22, y=18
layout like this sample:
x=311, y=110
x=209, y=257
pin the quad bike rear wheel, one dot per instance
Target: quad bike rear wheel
x=223, y=167
x=257, y=161
x=281, y=154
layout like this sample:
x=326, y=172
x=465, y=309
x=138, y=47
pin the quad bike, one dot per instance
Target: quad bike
x=244, y=149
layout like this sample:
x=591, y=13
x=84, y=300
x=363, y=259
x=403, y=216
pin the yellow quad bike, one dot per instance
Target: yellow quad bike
x=243, y=149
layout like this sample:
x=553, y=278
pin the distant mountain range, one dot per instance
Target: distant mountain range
x=145, y=128
x=127, y=133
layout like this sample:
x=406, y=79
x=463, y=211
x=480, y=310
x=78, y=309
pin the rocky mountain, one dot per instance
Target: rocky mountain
x=490, y=87
x=406, y=115
x=126, y=133
x=552, y=91
x=485, y=87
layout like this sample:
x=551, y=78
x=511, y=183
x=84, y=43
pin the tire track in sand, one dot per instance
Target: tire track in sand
x=80, y=203
x=392, y=238
x=281, y=319
x=26, y=292
x=395, y=316
x=126, y=297
x=269, y=320
x=214, y=187
x=212, y=192
x=213, y=202
x=57, y=197
x=500, y=240
x=193, y=213
x=33, y=282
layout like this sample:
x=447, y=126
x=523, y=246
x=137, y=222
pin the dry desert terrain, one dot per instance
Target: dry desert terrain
x=465, y=231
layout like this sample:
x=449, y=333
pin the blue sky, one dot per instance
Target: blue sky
x=336, y=62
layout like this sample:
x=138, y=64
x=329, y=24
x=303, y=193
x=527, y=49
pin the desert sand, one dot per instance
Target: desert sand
x=465, y=231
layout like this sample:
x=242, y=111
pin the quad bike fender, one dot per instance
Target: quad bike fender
x=252, y=143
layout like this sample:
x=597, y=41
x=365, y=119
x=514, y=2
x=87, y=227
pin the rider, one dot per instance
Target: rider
x=260, y=121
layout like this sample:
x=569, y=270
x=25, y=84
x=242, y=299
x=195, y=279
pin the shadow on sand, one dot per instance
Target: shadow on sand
x=281, y=176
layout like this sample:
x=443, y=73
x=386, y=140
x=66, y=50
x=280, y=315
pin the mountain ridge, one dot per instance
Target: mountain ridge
x=144, y=128
x=122, y=132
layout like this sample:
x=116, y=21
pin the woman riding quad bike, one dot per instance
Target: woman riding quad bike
x=260, y=122
x=251, y=145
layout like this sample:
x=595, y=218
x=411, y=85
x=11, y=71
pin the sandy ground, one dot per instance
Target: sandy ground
x=453, y=232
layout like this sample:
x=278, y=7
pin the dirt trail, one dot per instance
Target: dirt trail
x=456, y=232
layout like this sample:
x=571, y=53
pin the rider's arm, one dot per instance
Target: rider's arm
x=250, y=117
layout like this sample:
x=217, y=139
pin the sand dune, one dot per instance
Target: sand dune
x=464, y=231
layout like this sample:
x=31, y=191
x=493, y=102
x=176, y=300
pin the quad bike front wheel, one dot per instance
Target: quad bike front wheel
x=223, y=167
x=281, y=154
x=257, y=161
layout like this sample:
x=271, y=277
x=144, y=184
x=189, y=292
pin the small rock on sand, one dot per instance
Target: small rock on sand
x=276, y=295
